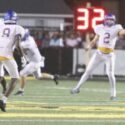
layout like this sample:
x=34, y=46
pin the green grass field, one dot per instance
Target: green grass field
x=44, y=103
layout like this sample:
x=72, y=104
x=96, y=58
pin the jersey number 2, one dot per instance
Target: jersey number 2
x=106, y=37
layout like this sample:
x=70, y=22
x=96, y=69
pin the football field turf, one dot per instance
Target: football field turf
x=44, y=103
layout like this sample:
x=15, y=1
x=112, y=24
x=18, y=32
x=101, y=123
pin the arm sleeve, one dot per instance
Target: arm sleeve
x=20, y=31
x=119, y=27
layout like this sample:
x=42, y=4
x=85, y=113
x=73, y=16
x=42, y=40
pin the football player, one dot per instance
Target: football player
x=106, y=35
x=35, y=62
x=10, y=35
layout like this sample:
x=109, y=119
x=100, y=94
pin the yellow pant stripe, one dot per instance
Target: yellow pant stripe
x=105, y=50
x=2, y=58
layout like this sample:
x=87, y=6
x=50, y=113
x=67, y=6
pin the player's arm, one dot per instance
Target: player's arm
x=93, y=42
x=121, y=33
x=17, y=45
x=20, y=50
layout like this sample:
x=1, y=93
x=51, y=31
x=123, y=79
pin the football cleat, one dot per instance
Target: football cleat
x=2, y=106
x=20, y=93
x=56, y=77
x=75, y=91
x=113, y=98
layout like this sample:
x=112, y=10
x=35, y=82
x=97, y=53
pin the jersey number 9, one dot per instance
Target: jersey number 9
x=6, y=32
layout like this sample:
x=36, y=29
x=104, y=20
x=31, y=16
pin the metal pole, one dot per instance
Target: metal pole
x=87, y=39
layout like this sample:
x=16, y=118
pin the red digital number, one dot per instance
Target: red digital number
x=88, y=18
x=98, y=18
x=83, y=19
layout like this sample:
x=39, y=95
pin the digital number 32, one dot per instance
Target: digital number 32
x=85, y=19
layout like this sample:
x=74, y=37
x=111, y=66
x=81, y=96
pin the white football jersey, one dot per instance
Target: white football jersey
x=7, y=36
x=30, y=50
x=107, y=35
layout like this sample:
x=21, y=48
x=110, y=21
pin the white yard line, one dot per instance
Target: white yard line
x=85, y=89
x=61, y=120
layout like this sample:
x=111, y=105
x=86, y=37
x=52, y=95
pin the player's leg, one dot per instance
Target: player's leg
x=50, y=76
x=22, y=85
x=27, y=70
x=94, y=62
x=110, y=66
x=20, y=67
x=38, y=75
x=12, y=69
x=3, y=83
x=2, y=79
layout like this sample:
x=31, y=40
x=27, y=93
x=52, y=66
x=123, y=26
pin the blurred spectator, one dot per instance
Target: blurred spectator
x=46, y=40
x=38, y=38
x=56, y=40
x=72, y=40
x=79, y=39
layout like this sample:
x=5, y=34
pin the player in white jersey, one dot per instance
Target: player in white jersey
x=35, y=62
x=106, y=35
x=10, y=35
